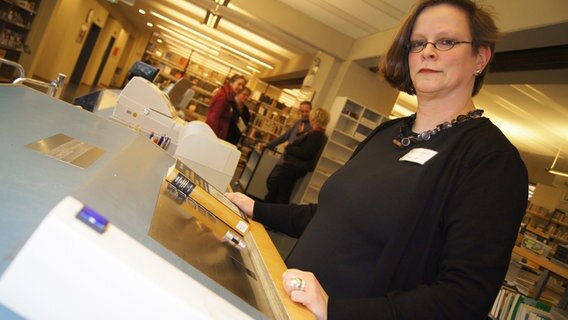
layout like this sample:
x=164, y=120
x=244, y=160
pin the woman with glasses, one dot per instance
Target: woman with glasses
x=421, y=221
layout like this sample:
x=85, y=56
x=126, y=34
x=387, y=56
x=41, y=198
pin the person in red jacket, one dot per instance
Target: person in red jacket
x=221, y=107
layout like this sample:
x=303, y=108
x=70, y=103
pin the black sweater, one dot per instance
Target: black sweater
x=305, y=150
x=394, y=239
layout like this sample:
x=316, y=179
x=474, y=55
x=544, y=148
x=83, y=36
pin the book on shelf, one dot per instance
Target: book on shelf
x=198, y=196
x=511, y=305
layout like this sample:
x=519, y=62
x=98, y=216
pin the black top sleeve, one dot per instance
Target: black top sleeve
x=289, y=219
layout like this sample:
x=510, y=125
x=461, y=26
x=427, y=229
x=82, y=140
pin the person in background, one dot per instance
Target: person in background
x=241, y=117
x=300, y=156
x=421, y=221
x=220, y=110
x=299, y=127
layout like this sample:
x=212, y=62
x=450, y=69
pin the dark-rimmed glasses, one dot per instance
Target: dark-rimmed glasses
x=440, y=45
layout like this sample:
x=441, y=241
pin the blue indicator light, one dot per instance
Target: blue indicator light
x=93, y=219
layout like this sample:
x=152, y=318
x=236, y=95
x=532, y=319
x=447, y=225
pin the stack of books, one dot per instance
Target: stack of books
x=511, y=305
x=207, y=204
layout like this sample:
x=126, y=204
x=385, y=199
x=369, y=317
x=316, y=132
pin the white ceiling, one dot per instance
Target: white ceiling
x=532, y=111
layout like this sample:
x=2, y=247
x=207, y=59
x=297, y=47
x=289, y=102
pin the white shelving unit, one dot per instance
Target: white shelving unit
x=350, y=124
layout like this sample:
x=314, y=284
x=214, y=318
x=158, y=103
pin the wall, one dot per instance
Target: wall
x=294, y=67
x=111, y=29
x=536, y=165
x=36, y=39
x=61, y=48
x=366, y=88
x=358, y=83
x=114, y=58
x=547, y=197
x=136, y=53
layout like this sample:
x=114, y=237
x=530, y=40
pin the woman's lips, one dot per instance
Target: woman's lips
x=427, y=71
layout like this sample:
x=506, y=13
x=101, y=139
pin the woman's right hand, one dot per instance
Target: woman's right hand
x=245, y=203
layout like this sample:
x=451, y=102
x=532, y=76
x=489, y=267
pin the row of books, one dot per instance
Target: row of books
x=511, y=305
x=207, y=204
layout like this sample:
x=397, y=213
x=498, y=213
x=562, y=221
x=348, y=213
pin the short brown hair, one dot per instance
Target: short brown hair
x=394, y=66
x=306, y=102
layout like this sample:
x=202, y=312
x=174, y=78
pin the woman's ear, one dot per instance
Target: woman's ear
x=483, y=56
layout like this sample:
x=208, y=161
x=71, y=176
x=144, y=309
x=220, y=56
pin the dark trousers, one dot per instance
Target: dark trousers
x=281, y=182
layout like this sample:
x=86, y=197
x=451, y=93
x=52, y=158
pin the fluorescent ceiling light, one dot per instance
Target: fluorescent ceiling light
x=253, y=69
x=141, y=11
x=554, y=171
x=199, y=34
x=149, y=24
x=189, y=49
x=180, y=37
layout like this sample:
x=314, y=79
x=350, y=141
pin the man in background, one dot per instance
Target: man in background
x=301, y=126
x=280, y=182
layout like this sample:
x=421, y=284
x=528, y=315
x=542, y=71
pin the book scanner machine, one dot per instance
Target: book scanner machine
x=143, y=107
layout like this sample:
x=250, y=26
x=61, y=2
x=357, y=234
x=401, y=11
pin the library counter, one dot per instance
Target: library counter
x=51, y=150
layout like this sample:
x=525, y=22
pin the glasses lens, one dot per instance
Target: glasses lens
x=416, y=46
x=444, y=45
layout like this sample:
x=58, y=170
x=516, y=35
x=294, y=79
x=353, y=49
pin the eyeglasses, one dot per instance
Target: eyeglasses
x=441, y=45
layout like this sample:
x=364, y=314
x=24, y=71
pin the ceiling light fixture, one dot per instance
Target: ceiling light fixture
x=253, y=69
x=149, y=24
x=193, y=42
x=181, y=44
x=141, y=11
x=551, y=170
x=244, y=55
x=211, y=19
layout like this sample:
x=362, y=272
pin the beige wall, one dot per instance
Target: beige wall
x=114, y=58
x=290, y=67
x=60, y=50
x=36, y=39
x=55, y=48
x=366, y=88
x=111, y=29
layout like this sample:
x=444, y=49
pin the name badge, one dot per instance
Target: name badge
x=418, y=155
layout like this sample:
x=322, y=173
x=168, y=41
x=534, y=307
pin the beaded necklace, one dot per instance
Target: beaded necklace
x=401, y=141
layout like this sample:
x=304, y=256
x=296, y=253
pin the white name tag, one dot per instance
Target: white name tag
x=418, y=155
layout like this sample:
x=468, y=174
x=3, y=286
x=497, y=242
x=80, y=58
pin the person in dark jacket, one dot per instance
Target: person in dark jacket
x=298, y=128
x=421, y=221
x=241, y=117
x=220, y=110
x=300, y=156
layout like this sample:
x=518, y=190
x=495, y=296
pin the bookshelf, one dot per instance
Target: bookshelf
x=203, y=88
x=350, y=123
x=270, y=117
x=539, y=270
x=16, y=19
x=552, y=224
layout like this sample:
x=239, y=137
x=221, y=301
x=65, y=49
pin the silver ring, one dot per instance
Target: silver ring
x=297, y=284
